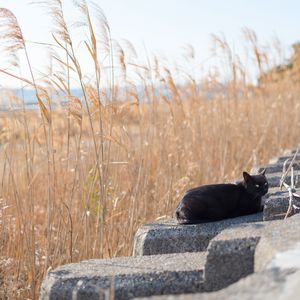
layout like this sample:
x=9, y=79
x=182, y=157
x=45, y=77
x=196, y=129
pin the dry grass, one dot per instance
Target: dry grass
x=77, y=181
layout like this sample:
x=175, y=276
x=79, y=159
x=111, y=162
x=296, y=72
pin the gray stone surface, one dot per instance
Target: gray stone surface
x=126, y=277
x=228, y=261
x=167, y=236
x=276, y=205
x=278, y=236
x=274, y=179
x=273, y=168
x=280, y=159
x=289, y=259
x=234, y=253
x=269, y=285
x=277, y=262
x=274, y=236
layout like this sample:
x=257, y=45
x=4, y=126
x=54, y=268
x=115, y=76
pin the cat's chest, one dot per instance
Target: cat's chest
x=249, y=203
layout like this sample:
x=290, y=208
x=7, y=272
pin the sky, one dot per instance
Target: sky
x=164, y=27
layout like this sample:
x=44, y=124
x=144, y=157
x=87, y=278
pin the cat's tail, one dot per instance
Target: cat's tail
x=190, y=222
x=184, y=221
x=180, y=218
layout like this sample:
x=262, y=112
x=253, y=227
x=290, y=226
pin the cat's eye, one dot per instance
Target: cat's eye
x=266, y=183
x=257, y=185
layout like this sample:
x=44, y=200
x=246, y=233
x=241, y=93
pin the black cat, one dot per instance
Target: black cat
x=221, y=201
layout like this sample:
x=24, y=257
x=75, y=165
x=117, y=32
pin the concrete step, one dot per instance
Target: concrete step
x=177, y=259
x=274, y=179
x=269, y=285
x=126, y=277
x=234, y=253
x=276, y=204
x=282, y=159
x=274, y=236
x=167, y=236
x=276, y=263
x=273, y=168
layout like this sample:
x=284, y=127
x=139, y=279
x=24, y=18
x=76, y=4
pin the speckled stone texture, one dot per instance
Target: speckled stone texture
x=269, y=285
x=167, y=236
x=274, y=179
x=274, y=236
x=276, y=262
x=279, y=236
x=276, y=205
x=126, y=277
x=273, y=168
x=228, y=261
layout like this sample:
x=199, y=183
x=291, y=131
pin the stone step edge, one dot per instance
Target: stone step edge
x=126, y=277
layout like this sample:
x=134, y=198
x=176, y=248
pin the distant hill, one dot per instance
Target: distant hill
x=11, y=99
x=289, y=71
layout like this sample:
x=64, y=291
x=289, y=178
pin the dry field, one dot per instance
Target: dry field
x=77, y=181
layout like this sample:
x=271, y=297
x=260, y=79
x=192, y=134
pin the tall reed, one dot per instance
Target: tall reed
x=77, y=180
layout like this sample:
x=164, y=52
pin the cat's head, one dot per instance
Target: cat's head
x=256, y=184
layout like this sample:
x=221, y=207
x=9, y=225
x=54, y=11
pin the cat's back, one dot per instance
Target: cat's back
x=213, y=189
x=208, y=203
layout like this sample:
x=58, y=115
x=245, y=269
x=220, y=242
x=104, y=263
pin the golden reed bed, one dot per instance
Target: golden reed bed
x=78, y=180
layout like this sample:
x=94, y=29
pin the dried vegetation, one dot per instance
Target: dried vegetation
x=77, y=180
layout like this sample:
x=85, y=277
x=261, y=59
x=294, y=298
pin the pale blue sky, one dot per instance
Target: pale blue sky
x=165, y=26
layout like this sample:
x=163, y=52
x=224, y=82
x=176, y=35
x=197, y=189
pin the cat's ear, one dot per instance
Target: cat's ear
x=263, y=172
x=247, y=177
